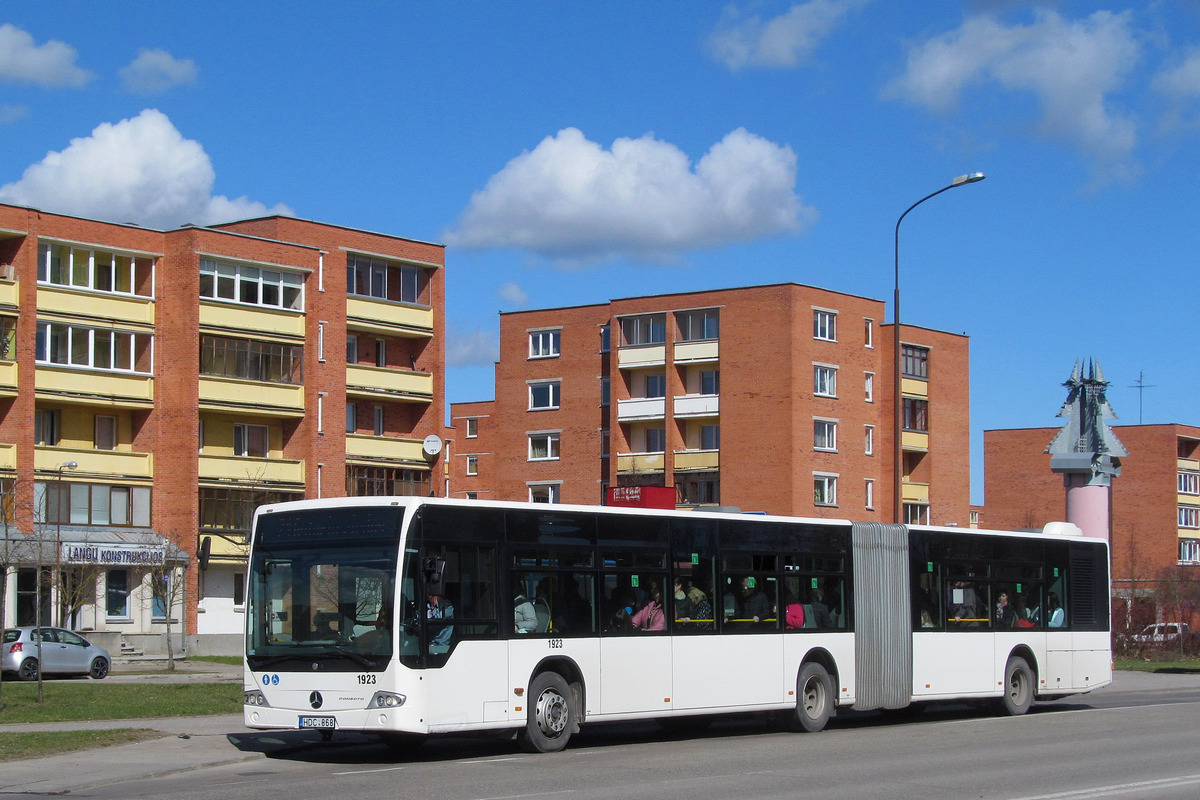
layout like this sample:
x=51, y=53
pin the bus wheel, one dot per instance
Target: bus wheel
x=551, y=715
x=1018, y=687
x=814, y=701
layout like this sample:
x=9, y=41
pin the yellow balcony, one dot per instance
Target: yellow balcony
x=380, y=382
x=707, y=350
x=255, y=397
x=1189, y=464
x=227, y=547
x=10, y=293
x=914, y=388
x=8, y=378
x=384, y=448
x=387, y=317
x=119, y=389
x=687, y=460
x=113, y=309
x=116, y=463
x=641, y=356
x=258, y=319
x=8, y=456
x=633, y=463
x=243, y=469
x=914, y=440
x=915, y=492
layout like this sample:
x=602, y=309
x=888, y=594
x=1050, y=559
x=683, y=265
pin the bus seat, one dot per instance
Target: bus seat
x=542, y=609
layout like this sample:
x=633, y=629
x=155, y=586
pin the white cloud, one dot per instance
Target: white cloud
x=50, y=64
x=472, y=348
x=783, y=41
x=10, y=114
x=1182, y=81
x=513, y=294
x=137, y=170
x=1070, y=66
x=569, y=199
x=155, y=71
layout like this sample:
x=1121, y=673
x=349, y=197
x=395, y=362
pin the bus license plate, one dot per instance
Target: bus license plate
x=318, y=722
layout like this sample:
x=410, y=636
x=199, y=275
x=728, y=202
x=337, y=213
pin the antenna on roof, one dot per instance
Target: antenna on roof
x=1141, y=385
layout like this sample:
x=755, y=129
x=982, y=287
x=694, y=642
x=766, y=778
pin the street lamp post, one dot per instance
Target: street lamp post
x=58, y=581
x=897, y=397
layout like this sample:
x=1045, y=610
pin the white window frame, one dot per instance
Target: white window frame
x=869, y=333
x=869, y=386
x=825, y=435
x=1189, y=483
x=869, y=440
x=916, y=513
x=45, y=252
x=1189, y=550
x=1189, y=517
x=351, y=348
x=825, y=489
x=553, y=492
x=243, y=432
x=351, y=417
x=552, y=444
x=869, y=489
x=545, y=343
x=553, y=392
x=261, y=280
x=824, y=324
x=377, y=420
x=472, y=427
x=381, y=353
x=472, y=465
x=825, y=380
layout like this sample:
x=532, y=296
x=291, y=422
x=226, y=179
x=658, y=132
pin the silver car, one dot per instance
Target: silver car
x=63, y=653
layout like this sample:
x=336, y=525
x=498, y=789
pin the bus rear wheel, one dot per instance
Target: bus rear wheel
x=1018, y=687
x=550, y=719
x=814, y=699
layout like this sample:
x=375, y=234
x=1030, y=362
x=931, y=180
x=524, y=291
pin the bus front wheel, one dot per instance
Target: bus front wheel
x=1018, y=687
x=814, y=700
x=550, y=719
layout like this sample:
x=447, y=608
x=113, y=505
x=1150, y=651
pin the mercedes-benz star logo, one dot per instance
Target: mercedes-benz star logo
x=315, y=699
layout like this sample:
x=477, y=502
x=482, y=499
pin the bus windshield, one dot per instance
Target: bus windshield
x=320, y=587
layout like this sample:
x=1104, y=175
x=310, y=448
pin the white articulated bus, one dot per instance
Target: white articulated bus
x=407, y=616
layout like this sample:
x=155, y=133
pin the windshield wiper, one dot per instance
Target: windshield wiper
x=345, y=652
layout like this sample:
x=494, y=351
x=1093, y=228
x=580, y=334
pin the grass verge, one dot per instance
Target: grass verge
x=66, y=701
x=19, y=746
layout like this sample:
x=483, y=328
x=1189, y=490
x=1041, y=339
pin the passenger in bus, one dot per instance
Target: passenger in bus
x=964, y=603
x=1006, y=613
x=701, y=617
x=620, y=622
x=755, y=605
x=820, y=611
x=1058, y=617
x=927, y=619
x=683, y=604
x=379, y=639
x=524, y=617
x=651, y=616
x=439, y=608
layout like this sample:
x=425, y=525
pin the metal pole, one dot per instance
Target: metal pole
x=897, y=396
x=58, y=604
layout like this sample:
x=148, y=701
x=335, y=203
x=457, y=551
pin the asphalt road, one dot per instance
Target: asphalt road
x=1134, y=739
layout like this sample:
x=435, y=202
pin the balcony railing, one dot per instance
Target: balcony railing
x=704, y=350
x=398, y=384
x=915, y=492
x=690, y=460
x=122, y=389
x=8, y=377
x=384, y=448
x=244, y=469
x=97, y=305
x=8, y=456
x=231, y=394
x=262, y=319
x=633, y=463
x=641, y=408
x=915, y=440
x=116, y=463
x=388, y=317
x=644, y=355
x=698, y=405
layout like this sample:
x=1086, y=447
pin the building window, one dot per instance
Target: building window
x=869, y=333
x=270, y=362
x=382, y=280
x=656, y=440
x=251, y=441
x=255, y=286
x=471, y=495
x=656, y=386
x=351, y=349
x=914, y=361
x=364, y=481
x=544, y=344
x=1189, y=483
x=710, y=437
x=95, y=270
x=105, y=433
x=916, y=514
x=472, y=427
x=699, y=325
x=57, y=502
x=604, y=442
x=605, y=391
x=381, y=353
x=825, y=325
x=1189, y=517
x=825, y=435
x=351, y=417
x=916, y=414
x=1189, y=550
x=710, y=381
x=545, y=493
x=869, y=440
x=869, y=488
x=543, y=395
x=472, y=465
x=698, y=488
x=377, y=420
x=94, y=348
x=647, y=329
x=116, y=594
x=824, y=380
x=824, y=490
x=543, y=446
x=605, y=339
x=232, y=510
x=47, y=426
x=869, y=386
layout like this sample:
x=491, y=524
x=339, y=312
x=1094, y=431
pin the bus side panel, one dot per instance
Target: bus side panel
x=1091, y=664
x=636, y=673
x=840, y=646
x=524, y=656
x=953, y=663
x=471, y=689
x=728, y=670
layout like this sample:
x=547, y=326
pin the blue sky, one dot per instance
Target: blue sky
x=572, y=153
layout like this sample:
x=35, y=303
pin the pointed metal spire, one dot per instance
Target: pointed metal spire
x=1086, y=443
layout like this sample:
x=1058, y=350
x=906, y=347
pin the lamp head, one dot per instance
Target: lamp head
x=68, y=465
x=974, y=177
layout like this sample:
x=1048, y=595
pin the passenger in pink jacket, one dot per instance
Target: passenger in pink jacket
x=651, y=616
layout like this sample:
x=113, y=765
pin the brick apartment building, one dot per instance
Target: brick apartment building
x=769, y=398
x=1155, y=503
x=156, y=386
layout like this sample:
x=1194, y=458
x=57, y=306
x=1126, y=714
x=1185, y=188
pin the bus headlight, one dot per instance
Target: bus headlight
x=254, y=697
x=387, y=700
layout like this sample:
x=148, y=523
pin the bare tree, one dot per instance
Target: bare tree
x=167, y=593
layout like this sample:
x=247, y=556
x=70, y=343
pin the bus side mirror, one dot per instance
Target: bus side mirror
x=434, y=567
x=203, y=553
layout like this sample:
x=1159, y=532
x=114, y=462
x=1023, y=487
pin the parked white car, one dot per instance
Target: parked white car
x=1162, y=633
